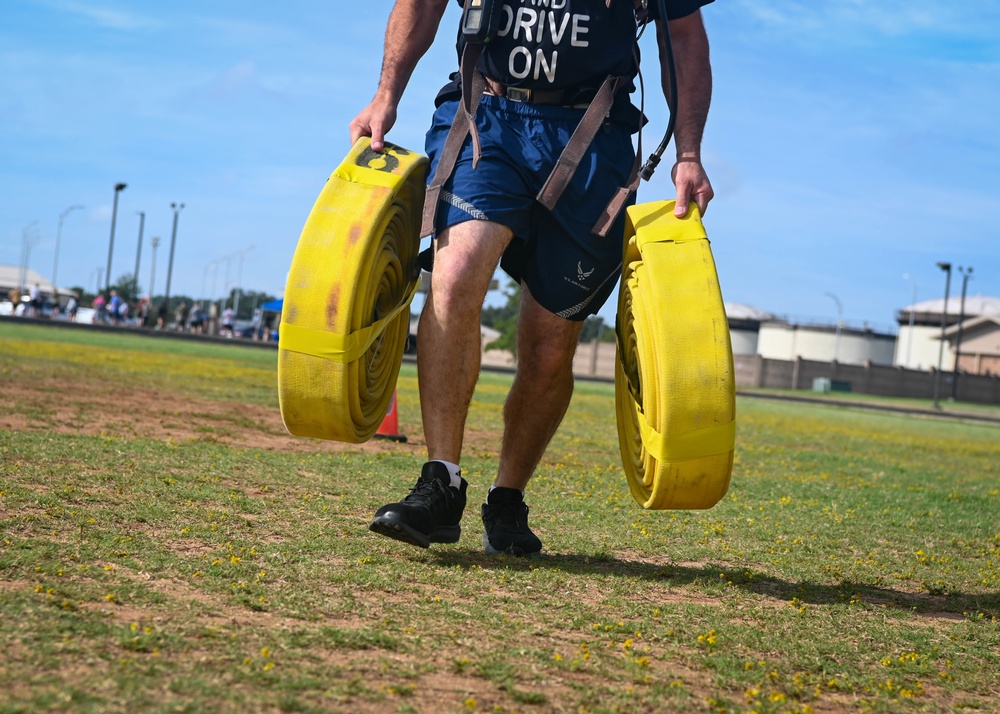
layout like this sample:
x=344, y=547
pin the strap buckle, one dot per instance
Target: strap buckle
x=518, y=94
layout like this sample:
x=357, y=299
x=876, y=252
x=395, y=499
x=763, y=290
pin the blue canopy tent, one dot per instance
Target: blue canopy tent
x=273, y=305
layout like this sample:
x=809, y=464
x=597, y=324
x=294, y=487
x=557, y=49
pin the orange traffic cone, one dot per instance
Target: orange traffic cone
x=389, y=429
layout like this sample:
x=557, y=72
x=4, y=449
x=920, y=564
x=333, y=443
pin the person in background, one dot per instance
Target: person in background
x=36, y=301
x=100, y=306
x=181, y=316
x=228, y=321
x=113, y=307
x=197, y=319
x=161, y=315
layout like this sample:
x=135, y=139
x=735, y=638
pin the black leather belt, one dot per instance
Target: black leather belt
x=563, y=97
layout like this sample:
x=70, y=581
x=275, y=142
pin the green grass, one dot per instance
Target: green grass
x=853, y=566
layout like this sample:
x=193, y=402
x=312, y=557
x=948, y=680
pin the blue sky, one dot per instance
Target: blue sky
x=850, y=142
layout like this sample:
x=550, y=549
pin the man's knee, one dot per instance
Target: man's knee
x=547, y=358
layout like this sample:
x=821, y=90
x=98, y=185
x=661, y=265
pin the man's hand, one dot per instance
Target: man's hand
x=692, y=185
x=375, y=121
x=410, y=32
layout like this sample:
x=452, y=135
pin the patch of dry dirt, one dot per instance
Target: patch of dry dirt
x=63, y=406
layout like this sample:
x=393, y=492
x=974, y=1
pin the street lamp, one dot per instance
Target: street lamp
x=840, y=321
x=138, y=252
x=119, y=187
x=55, y=261
x=29, y=237
x=913, y=302
x=966, y=274
x=946, y=267
x=173, y=241
x=152, y=275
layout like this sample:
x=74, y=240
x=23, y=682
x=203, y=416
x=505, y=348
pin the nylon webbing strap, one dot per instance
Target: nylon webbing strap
x=617, y=203
x=575, y=149
x=464, y=123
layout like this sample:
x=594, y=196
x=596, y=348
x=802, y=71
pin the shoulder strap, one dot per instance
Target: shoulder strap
x=464, y=123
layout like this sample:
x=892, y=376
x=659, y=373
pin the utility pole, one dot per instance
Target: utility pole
x=173, y=242
x=138, y=252
x=913, y=302
x=840, y=322
x=152, y=276
x=55, y=261
x=946, y=267
x=119, y=187
x=966, y=274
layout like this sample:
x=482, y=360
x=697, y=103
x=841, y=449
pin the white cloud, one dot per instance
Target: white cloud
x=104, y=16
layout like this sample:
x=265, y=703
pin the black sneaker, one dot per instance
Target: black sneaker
x=505, y=518
x=430, y=513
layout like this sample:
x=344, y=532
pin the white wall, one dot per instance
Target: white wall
x=787, y=342
x=923, y=352
x=744, y=342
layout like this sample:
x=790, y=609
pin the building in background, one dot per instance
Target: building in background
x=979, y=351
x=920, y=330
x=744, y=326
x=783, y=340
x=12, y=276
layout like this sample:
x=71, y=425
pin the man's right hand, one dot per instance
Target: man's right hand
x=375, y=121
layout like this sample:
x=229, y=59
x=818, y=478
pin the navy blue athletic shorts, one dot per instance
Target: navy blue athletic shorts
x=569, y=271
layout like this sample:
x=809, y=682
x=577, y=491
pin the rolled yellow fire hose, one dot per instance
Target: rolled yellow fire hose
x=346, y=313
x=674, y=380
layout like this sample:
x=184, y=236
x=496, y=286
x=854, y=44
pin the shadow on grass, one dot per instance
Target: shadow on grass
x=950, y=605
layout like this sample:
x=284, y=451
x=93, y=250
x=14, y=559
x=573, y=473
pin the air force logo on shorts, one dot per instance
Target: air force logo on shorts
x=581, y=276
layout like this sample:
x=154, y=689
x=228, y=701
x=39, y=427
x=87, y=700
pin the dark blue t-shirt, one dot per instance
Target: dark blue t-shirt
x=564, y=44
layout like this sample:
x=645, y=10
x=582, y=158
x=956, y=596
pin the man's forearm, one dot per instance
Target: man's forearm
x=410, y=32
x=694, y=82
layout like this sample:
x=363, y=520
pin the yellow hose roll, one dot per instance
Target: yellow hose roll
x=346, y=312
x=674, y=381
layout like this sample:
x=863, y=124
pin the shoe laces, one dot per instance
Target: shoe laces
x=430, y=494
x=508, y=514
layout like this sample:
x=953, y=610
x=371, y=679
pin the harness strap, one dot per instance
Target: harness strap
x=617, y=203
x=575, y=149
x=464, y=123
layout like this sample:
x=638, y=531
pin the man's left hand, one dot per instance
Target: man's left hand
x=692, y=185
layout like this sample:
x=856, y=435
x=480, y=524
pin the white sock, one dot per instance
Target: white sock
x=454, y=471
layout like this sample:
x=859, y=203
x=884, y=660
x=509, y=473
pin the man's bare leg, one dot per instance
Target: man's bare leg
x=541, y=391
x=448, y=356
x=449, y=341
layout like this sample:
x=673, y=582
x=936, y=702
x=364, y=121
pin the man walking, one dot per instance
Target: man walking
x=541, y=70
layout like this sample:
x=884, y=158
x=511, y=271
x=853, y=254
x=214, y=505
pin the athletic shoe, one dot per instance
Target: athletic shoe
x=506, y=522
x=430, y=513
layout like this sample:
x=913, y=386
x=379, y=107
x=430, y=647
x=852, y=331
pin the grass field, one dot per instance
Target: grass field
x=164, y=547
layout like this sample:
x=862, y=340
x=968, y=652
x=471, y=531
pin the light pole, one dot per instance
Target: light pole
x=152, y=275
x=204, y=281
x=29, y=237
x=946, y=267
x=55, y=261
x=239, y=282
x=909, y=342
x=173, y=242
x=100, y=272
x=138, y=252
x=840, y=321
x=966, y=274
x=225, y=288
x=119, y=187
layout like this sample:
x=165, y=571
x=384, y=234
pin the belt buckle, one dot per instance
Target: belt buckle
x=517, y=94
